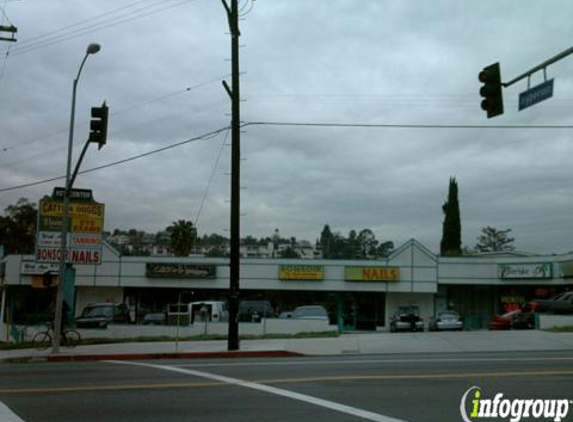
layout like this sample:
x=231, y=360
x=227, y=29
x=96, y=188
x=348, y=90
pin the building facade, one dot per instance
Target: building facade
x=358, y=295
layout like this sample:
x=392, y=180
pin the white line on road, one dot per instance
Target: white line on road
x=6, y=415
x=354, y=411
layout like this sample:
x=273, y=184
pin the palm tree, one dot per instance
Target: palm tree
x=183, y=235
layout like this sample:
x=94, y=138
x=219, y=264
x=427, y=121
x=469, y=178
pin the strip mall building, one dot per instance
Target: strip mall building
x=359, y=295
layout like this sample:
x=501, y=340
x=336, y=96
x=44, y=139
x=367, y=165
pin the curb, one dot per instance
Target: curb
x=159, y=355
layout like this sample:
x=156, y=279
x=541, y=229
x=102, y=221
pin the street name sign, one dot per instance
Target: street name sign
x=536, y=94
x=85, y=232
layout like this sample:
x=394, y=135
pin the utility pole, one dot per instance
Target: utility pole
x=234, y=94
x=11, y=30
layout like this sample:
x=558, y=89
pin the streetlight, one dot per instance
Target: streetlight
x=92, y=49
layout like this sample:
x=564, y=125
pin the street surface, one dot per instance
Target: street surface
x=386, y=388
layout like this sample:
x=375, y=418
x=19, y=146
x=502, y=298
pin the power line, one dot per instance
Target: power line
x=293, y=124
x=215, y=167
x=403, y=126
x=136, y=106
x=125, y=160
x=127, y=17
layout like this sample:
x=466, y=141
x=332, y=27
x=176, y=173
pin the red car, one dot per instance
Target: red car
x=503, y=322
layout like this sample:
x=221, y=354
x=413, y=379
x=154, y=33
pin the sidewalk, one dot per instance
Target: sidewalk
x=371, y=343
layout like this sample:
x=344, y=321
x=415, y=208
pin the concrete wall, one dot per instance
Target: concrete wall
x=554, y=321
x=268, y=326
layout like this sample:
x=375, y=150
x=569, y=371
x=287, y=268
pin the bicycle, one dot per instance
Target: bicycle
x=44, y=339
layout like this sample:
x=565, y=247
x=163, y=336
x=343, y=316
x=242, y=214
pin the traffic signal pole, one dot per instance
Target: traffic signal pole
x=234, y=94
x=537, y=68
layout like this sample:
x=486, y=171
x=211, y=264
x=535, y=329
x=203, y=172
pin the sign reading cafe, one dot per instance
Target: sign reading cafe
x=520, y=271
x=174, y=270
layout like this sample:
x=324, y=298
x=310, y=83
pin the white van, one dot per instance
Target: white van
x=208, y=311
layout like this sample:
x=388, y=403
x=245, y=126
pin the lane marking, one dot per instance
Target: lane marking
x=6, y=415
x=354, y=411
x=270, y=381
x=370, y=361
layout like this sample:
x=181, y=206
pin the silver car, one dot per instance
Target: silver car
x=446, y=320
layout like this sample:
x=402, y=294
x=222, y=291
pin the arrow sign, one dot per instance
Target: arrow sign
x=536, y=94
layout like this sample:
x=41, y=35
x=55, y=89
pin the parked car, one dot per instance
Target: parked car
x=406, y=318
x=542, y=305
x=504, y=321
x=523, y=321
x=562, y=305
x=446, y=320
x=154, y=318
x=310, y=312
x=99, y=315
x=255, y=310
x=208, y=311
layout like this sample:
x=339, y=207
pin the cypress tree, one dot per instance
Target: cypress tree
x=451, y=243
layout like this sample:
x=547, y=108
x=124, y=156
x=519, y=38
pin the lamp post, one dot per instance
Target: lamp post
x=92, y=49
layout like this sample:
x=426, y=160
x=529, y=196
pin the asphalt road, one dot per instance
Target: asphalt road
x=413, y=388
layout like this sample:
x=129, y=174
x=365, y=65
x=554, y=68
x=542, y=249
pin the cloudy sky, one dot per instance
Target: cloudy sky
x=343, y=62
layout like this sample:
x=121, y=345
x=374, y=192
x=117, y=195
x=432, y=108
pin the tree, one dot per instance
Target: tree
x=451, y=243
x=326, y=242
x=183, y=235
x=289, y=252
x=366, y=243
x=494, y=240
x=385, y=249
x=18, y=227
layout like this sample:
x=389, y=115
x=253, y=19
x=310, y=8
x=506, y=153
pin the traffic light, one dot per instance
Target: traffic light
x=492, y=103
x=98, y=125
x=47, y=279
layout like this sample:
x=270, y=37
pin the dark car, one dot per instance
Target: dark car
x=255, y=310
x=562, y=305
x=406, y=318
x=523, y=321
x=99, y=315
x=542, y=305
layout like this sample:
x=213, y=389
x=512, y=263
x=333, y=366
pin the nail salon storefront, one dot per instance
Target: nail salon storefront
x=358, y=295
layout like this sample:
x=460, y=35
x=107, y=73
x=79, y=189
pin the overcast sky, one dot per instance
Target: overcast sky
x=304, y=61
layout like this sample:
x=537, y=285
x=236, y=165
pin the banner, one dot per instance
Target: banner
x=372, y=273
x=301, y=272
x=175, y=270
x=529, y=271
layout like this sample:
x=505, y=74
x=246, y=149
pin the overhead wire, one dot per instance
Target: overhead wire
x=211, y=177
x=117, y=20
x=125, y=110
x=207, y=135
x=294, y=124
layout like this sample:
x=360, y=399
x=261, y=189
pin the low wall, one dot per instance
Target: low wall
x=547, y=321
x=268, y=326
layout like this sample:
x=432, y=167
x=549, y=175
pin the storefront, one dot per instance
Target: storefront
x=358, y=295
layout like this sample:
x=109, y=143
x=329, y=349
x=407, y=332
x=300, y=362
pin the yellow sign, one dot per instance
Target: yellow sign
x=301, y=272
x=372, y=273
x=50, y=208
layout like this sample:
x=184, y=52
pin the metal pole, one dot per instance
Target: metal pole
x=65, y=220
x=543, y=65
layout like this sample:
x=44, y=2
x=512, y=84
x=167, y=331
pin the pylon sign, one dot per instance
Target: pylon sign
x=85, y=230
